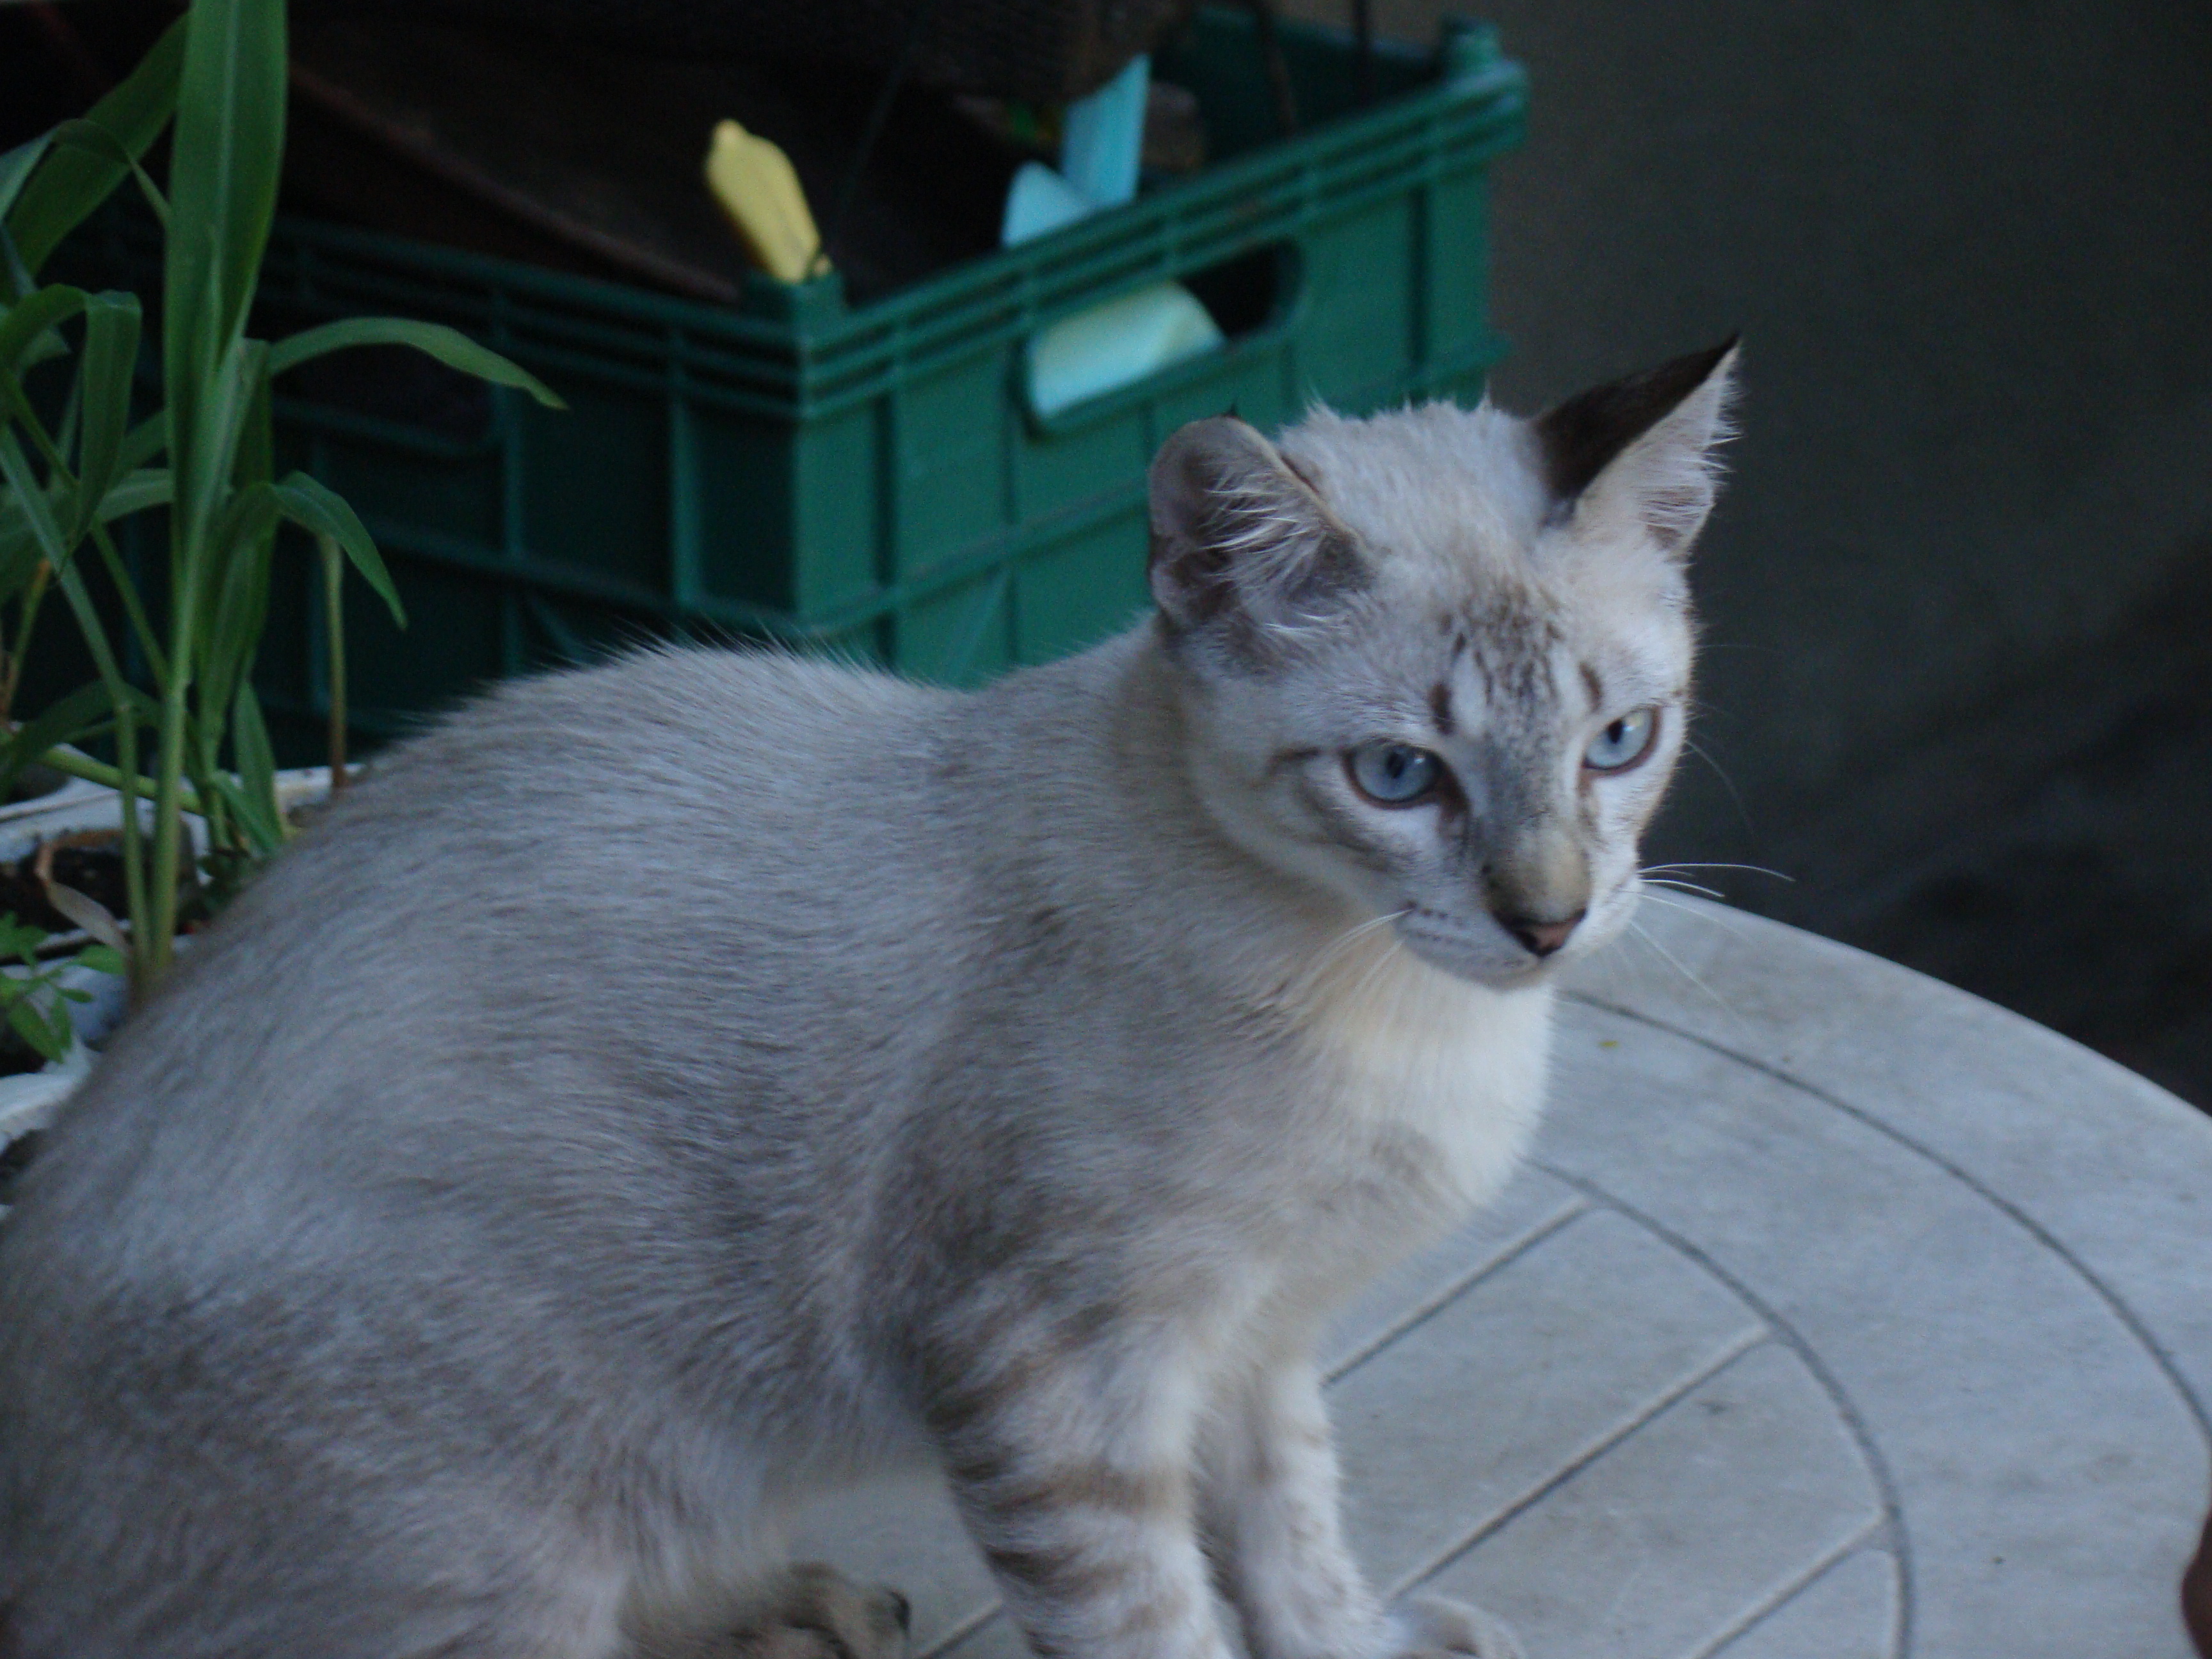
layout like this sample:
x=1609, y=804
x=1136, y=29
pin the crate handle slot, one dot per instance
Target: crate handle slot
x=1074, y=365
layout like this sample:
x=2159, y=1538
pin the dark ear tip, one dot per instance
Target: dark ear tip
x=1581, y=436
x=1713, y=357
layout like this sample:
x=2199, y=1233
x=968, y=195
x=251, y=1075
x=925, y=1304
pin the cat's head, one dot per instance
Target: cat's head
x=1438, y=661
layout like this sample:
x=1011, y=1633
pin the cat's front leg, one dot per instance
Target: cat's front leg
x=1270, y=1499
x=1271, y=1506
x=1073, y=1474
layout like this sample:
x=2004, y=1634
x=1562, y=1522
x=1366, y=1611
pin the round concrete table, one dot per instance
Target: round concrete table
x=1842, y=1316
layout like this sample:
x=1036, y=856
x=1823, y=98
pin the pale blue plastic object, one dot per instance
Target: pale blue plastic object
x=1040, y=201
x=1102, y=137
x=1124, y=340
x=1116, y=343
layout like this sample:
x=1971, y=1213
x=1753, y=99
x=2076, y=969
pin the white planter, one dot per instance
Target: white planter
x=29, y=1100
x=80, y=806
x=73, y=794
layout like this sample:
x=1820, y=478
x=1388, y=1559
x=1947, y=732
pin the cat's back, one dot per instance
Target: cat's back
x=615, y=890
x=714, y=802
x=722, y=751
x=675, y=765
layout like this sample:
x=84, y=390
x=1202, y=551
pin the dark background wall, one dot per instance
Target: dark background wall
x=1959, y=668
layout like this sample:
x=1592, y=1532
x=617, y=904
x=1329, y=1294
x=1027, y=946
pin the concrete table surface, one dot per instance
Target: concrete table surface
x=1840, y=1316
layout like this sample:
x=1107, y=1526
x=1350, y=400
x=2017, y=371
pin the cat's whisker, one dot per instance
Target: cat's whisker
x=1673, y=962
x=1383, y=959
x=1309, y=977
x=1721, y=772
x=1755, y=869
x=1651, y=880
x=1699, y=911
x=1360, y=928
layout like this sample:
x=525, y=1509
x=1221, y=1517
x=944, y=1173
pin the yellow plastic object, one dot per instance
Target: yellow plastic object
x=756, y=184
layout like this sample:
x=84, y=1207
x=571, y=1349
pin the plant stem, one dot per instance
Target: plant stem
x=13, y=679
x=118, y=571
x=334, y=654
x=133, y=608
x=134, y=851
x=158, y=942
x=125, y=781
x=147, y=960
x=75, y=763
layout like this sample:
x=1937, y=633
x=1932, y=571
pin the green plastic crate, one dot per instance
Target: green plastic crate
x=872, y=478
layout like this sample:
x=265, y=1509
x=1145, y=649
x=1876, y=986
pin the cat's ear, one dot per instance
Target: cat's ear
x=1641, y=451
x=1240, y=540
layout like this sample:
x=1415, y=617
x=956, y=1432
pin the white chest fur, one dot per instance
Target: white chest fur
x=1449, y=1071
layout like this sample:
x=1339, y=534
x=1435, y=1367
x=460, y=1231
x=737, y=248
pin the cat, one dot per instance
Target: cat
x=670, y=1087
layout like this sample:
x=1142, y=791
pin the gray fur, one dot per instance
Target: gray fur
x=670, y=1087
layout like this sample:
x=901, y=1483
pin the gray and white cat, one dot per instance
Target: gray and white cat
x=671, y=1086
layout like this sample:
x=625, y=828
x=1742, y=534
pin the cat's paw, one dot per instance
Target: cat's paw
x=812, y=1612
x=1432, y=1627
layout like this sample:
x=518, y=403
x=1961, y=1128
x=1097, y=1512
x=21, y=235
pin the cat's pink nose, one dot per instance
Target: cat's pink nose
x=1541, y=938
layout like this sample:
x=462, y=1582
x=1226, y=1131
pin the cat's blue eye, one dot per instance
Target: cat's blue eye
x=1393, y=773
x=1624, y=743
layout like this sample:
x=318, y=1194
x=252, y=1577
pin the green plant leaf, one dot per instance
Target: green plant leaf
x=72, y=182
x=16, y=279
x=148, y=439
x=236, y=595
x=37, y=505
x=236, y=601
x=256, y=763
x=111, y=352
x=255, y=461
x=228, y=150
x=16, y=167
x=63, y=431
x=135, y=492
x=66, y=719
x=18, y=540
x=65, y=1032
x=30, y=1023
x=263, y=835
x=200, y=473
x=225, y=157
x=321, y=512
x=246, y=601
x=27, y=320
x=103, y=959
x=89, y=135
x=449, y=346
x=19, y=548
